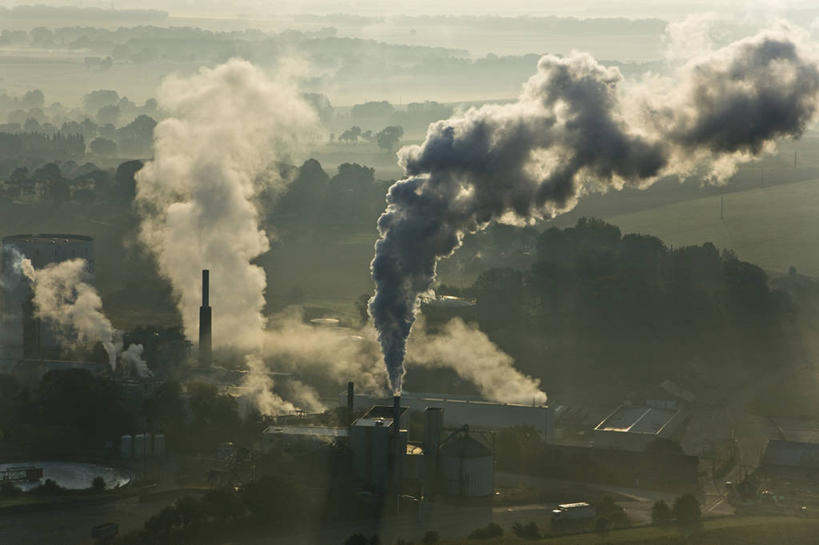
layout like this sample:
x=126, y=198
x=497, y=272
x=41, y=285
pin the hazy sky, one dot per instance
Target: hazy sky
x=669, y=9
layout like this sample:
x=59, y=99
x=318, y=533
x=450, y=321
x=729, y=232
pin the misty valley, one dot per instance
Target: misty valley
x=443, y=273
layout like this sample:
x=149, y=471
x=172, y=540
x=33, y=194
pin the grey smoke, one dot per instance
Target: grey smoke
x=572, y=131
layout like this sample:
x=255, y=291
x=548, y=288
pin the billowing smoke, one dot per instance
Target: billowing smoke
x=196, y=198
x=337, y=354
x=63, y=297
x=132, y=358
x=475, y=358
x=572, y=131
x=257, y=387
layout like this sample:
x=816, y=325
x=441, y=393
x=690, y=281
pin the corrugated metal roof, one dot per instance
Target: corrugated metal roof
x=465, y=447
x=791, y=454
x=316, y=431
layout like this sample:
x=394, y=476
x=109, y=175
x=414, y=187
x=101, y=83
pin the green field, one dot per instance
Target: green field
x=773, y=227
x=726, y=531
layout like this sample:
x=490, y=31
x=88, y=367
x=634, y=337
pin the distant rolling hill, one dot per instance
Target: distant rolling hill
x=773, y=227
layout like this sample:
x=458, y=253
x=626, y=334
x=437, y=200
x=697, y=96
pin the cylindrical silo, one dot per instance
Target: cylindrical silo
x=159, y=445
x=468, y=467
x=126, y=447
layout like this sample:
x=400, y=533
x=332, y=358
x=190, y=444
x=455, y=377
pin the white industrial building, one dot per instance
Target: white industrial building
x=478, y=414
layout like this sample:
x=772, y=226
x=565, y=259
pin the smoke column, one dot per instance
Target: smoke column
x=64, y=298
x=196, y=197
x=572, y=132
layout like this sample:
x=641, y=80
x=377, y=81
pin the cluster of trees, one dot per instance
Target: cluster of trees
x=110, y=125
x=69, y=181
x=58, y=146
x=686, y=510
x=72, y=410
x=597, y=306
x=272, y=502
x=352, y=198
x=387, y=138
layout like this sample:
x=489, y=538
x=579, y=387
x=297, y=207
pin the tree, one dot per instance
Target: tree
x=431, y=537
x=356, y=539
x=389, y=137
x=103, y=147
x=491, y=530
x=687, y=509
x=526, y=531
x=125, y=182
x=98, y=484
x=351, y=135
x=661, y=513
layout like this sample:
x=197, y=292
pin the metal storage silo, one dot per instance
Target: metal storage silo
x=159, y=445
x=126, y=446
x=468, y=467
x=139, y=445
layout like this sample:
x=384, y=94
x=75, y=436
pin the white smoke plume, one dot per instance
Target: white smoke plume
x=257, y=387
x=338, y=354
x=196, y=198
x=469, y=352
x=571, y=132
x=63, y=297
x=132, y=358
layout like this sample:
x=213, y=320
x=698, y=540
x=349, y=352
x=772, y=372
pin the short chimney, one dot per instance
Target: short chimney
x=350, y=402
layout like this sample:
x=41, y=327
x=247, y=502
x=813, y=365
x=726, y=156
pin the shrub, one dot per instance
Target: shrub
x=661, y=513
x=9, y=490
x=491, y=530
x=98, y=484
x=687, y=509
x=430, y=538
x=527, y=531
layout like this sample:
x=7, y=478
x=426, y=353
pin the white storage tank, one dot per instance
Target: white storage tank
x=159, y=445
x=139, y=446
x=468, y=467
x=126, y=446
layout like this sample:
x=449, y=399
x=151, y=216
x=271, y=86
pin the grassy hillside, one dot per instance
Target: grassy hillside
x=774, y=227
x=728, y=531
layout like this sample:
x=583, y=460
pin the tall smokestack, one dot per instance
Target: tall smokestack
x=396, y=415
x=205, y=334
x=350, y=401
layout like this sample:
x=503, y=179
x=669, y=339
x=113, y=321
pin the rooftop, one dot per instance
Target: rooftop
x=306, y=431
x=378, y=415
x=641, y=419
x=45, y=237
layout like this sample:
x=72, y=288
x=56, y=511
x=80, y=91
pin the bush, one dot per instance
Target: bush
x=9, y=490
x=49, y=488
x=430, y=538
x=661, y=513
x=602, y=525
x=687, y=509
x=356, y=539
x=491, y=530
x=98, y=484
x=527, y=531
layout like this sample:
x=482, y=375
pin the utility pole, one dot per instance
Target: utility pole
x=794, y=159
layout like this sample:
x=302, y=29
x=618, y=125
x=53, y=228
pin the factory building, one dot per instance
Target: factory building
x=26, y=337
x=633, y=427
x=478, y=414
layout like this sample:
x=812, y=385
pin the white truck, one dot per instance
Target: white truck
x=573, y=514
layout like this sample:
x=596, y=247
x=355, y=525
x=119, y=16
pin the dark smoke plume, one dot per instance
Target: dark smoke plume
x=572, y=131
